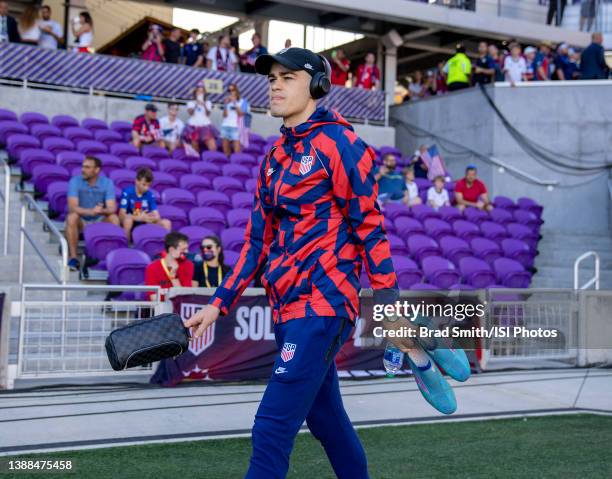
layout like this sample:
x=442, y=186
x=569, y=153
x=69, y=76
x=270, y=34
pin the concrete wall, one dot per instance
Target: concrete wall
x=110, y=109
x=570, y=118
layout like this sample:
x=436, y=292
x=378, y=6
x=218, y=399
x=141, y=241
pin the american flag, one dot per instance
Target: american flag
x=434, y=162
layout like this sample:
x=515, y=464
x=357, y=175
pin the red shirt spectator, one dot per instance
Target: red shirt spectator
x=172, y=269
x=470, y=193
x=368, y=75
x=146, y=129
x=340, y=68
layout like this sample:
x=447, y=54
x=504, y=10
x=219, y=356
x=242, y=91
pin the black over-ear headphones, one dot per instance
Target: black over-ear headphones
x=320, y=82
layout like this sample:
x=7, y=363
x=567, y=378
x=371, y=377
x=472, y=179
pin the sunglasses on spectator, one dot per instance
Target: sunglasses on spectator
x=208, y=246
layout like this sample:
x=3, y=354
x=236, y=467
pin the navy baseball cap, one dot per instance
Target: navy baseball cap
x=292, y=58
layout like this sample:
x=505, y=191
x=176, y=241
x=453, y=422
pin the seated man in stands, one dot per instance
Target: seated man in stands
x=146, y=129
x=391, y=185
x=437, y=196
x=171, y=128
x=138, y=206
x=470, y=191
x=173, y=268
x=91, y=198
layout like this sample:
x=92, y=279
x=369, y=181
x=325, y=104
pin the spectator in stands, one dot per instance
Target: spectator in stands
x=530, y=54
x=230, y=127
x=221, y=58
x=171, y=127
x=247, y=61
x=458, y=70
x=91, y=199
x=588, y=10
x=50, y=31
x=391, y=184
x=544, y=63
x=199, y=131
x=515, y=66
x=368, y=75
x=9, y=31
x=416, y=88
x=212, y=269
x=437, y=196
x=193, y=52
x=565, y=69
x=440, y=79
x=173, y=269
x=340, y=67
x=412, y=188
x=498, y=74
x=172, y=46
x=288, y=43
x=484, y=66
x=552, y=11
x=470, y=191
x=593, y=61
x=145, y=128
x=138, y=206
x=28, y=25
x=82, y=29
x=418, y=165
x=153, y=47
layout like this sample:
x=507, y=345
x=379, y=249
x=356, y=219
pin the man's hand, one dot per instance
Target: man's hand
x=98, y=209
x=204, y=318
x=392, y=324
x=383, y=170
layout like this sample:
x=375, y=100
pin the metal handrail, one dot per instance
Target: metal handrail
x=5, y=196
x=62, y=278
x=595, y=279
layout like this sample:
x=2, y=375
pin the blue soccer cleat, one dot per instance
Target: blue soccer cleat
x=434, y=387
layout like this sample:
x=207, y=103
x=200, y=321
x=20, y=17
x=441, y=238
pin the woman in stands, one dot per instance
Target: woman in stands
x=28, y=25
x=234, y=108
x=212, y=269
x=83, y=32
x=199, y=131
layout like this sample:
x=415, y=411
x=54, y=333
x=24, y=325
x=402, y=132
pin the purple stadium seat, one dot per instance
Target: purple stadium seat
x=127, y=266
x=215, y=157
x=42, y=131
x=522, y=232
x=476, y=272
x=530, y=205
x=423, y=183
x=162, y=181
x=194, y=183
x=149, y=238
x=181, y=154
x=9, y=128
x=123, y=150
x=56, y=145
x=450, y=214
x=177, y=168
x=76, y=134
x=31, y=118
x=242, y=200
x=397, y=245
x=475, y=215
x=108, y=137
x=208, y=217
x=110, y=162
x=406, y=226
x=524, y=217
x=437, y=228
x=389, y=226
x=56, y=196
x=122, y=178
x=209, y=170
x=407, y=272
x=493, y=231
x=244, y=159
x=124, y=128
x=466, y=230
x=238, y=218
x=177, y=216
x=255, y=171
x=454, y=248
x=179, y=197
x=396, y=210
x=64, y=121
x=231, y=257
x=227, y=185
x=504, y=203
x=511, y=273
x=423, y=212
x=518, y=250
x=70, y=159
x=7, y=115
x=255, y=138
x=501, y=216
x=250, y=185
x=421, y=246
x=232, y=239
x=44, y=174
x=196, y=234
x=215, y=199
x=19, y=142
x=101, y=238
x=440, y=272
x=32, y=157
x=486, y=249
x=94, y=124
x=91, y=147
x=239, y=172
x=253, y=149
x=137, y=162
x=272, y=139
x=424, y=287
x=154, y=152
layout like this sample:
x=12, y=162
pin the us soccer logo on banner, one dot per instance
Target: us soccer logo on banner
x=288, y=351
x=197, y=345
x=305, y=164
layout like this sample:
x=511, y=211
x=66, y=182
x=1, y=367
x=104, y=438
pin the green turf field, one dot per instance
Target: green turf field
x=570, y=446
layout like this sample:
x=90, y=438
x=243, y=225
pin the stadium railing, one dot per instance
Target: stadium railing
x=5, y=197
x=593, y=281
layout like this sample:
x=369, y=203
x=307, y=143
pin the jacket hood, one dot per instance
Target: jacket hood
x=320, y=117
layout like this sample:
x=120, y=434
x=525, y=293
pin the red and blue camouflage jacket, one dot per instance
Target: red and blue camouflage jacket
x=314, y=219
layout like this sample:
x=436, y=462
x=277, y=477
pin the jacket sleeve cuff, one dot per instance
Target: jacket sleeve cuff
x=223, y=299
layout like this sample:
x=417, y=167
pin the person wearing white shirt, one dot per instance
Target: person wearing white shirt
x=50, y=30
x=437, y=196
x=171, y=127
x=221, y=58
x=412, y=188
x=82, y=29
x=28, y=25
x=515, y=66
x=199, y=131
x=230, y=132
